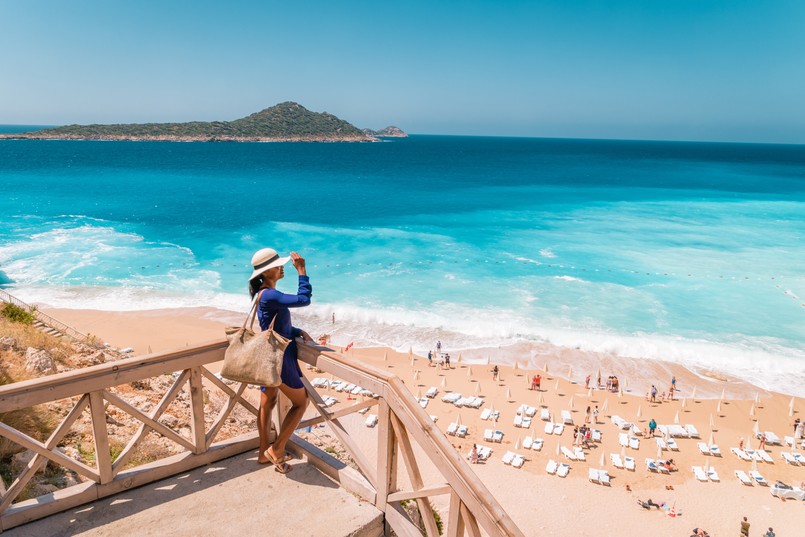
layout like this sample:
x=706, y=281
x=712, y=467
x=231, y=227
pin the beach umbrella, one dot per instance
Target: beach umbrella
x=754, y=464
x=590, y=393
x=515, y=365
x=541, y=398
x=791, y=407
x=693, y=394
x=558, y=447
x=413, y=362
x=711, y=440
x=385, y=356
x=556, y=388
x=410, y=352
x=659, y=452
x=443, y=384
x=620, y=392
x=605, y=406
x=517, y=444
x=488, y=360
x=756, y=428
x=748, y=444
x=757, y=398
x=419, y=393
x=570, y=372
x=477, y=388
x=684, y=402
x=469, y=372
x=623, y=451
x=508, y=393
x=718, y=408
x=598, y=377
x=752, y=411
x=570, y=403
x=416, y=375
x=676, y=418
x=706, y=465
x=639, y=411
x=546, y=368
x=723, y=393
x=712, y=422
x=458, y=418
x=602, y=460
x=458, y=360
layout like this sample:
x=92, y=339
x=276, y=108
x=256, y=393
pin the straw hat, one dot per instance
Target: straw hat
x=265, y=259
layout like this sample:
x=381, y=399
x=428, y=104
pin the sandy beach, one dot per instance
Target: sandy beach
x=574, y=506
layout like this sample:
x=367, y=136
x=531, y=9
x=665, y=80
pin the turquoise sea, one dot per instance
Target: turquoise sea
x=690, y=252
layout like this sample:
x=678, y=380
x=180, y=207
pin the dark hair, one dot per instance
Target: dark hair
x=254, y=285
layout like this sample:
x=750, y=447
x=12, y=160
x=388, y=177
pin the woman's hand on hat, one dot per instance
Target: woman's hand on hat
x=298, y=263
x=306, y=337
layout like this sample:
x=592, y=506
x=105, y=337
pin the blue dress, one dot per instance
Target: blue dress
x=276, y=303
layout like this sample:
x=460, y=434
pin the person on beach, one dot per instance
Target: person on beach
x=538, y=382
x=430, y=358
x=741, y=443
x=595, y=415
x=447, y=361
x=273, y=305
x=762, y=444
x=495, y=371
x=474, y=454
x=745, y=527
x=438, y=347
x=587, y=382
x=652, y=426
x=653, y=393
x=587, y=414
x=769, y=533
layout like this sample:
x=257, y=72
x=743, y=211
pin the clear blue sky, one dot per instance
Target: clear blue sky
x=730, y=70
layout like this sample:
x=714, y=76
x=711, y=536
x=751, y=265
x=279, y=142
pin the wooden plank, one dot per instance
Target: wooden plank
x=48, y=504
x=221, y=385
x=470, y=523
x=155, y=413
x=338, y=414
x=197, y=426
x=36, y=462
x=80, y=381
x=100, y=436
x=424, y=492
x=386, y=456
x=455, y=524
x=349, y=478
x=161, y=428
x=59, y=458
x=407, y=451
x=399, y=521
x=342, y=435
x=223, y=414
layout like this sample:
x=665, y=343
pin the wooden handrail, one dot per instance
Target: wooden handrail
x=403, y=421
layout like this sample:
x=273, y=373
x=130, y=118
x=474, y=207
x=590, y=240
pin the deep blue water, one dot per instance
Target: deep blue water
x=684, y=251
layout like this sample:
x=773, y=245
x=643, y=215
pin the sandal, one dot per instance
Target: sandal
x=283, y=467
x=278, y=460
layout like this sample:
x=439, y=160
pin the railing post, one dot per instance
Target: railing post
x=100, y=436
x=197, y=407
x=386, y=456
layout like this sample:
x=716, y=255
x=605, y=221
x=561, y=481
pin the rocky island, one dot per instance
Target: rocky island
x=285, y=122
x=389, y=132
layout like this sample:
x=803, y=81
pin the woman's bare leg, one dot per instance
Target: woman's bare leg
x=299, y=401
x=268, y=400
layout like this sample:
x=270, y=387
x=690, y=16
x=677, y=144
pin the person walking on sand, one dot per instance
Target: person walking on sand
x=652, y=426
x=587, y=414
x=762, y=444
x=495, y=372
x=595, y=415
x=273, y=306
x=587, y=382
x=653, y=393
x=438, y=347
x=745, y=528
x=538, y=382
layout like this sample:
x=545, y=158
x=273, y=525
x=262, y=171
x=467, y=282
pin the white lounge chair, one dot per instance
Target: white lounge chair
x=629, y=463
x=498, y=436
x=537, y=445
x=549, y=428
x=677, y=431
x=741, y=454
x=698, y=472
x=423, y=402
x=579, y=454
x=545, y=414
x=620, y=422
x=691, y=430
x=789, y=441
x=434, y=418
x=764, y=455
x=634, y=442
x=603, y=477
x=623, y=439
x=329, y=400
x=743, y=478
x=530, y=411
x=356, y=390
x=526, y=422
x=563, y=469
x=772, y=439
x=790, y=459
x=651, y=465
x=672, y=444
x=798, y=457
x=569, y=454
x=712, y=474
x=363, y=410
x=484, y=452
x=518, y=461
x=518, y=421
x=635, y=430
x=432, y=392
x=488, y=435
x=527, y=442
x=486, y=414
x=661, y=467
x=558, y=429
x=452, y=428
x=551, y=467
x=661, y=444
x=596, y=435
x=462, y=431
x=759, y=479
x=508, y=457
x=703, y=449
x=451, y=397
x=567, y=418
x=754, y=455
x=616, y=460
x=714, y=450
x=371, y=420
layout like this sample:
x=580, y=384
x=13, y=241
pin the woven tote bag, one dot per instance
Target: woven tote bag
x=254, y=358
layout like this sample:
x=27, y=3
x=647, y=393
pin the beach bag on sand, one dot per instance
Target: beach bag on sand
x=254, y=358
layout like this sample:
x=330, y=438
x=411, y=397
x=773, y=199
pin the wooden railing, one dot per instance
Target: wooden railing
x=67, y=330
x=402, y=425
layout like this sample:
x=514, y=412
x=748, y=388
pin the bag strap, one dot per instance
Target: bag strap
x=253, y=313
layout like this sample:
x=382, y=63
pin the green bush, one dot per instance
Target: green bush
x=17, y=314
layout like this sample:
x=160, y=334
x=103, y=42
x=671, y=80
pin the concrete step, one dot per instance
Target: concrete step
x=234, y=496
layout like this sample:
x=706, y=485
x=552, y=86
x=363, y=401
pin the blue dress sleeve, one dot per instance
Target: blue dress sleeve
x=300, y=299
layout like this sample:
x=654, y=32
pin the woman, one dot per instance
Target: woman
x=273, y=305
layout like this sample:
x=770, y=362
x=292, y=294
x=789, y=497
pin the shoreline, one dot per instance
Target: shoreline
x=714, y=506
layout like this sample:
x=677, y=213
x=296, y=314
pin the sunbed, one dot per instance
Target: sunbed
x=764, y=455
x=714, y=450
x=635, y=430
x=788, y=493
x=484, y=452
x=423, y=402
x=488, y=434
x=703, y=449
x=759, y=479
x=537, y=445
x=363, y=410
x=371, y=420
x=789, y=441
x=329, y=400
x=518, y=461
x=629, y=463
x=661, y=443
x=596, y=435
x=551, y=467
x=743, y=478
x=661, y=467
x=348, y=388
x=475, y=402
x=789, y=458
x=526, y=422
x=623, y=439
x=558, y=428
x=453, y=427
x=319, y=382
x=691, y=430
x=620, y=422
x=518, y=420
x=754, y=455
x=486, y=414
x=567, y=418
x=530, y=411
x=579, y=454
x=569, y=454
x=507, y=458
x=498, y=436
x=545, y=414
x=672, y=444
x=712, y=474
x=356, y=390
x=603, y=477
x=563, y=469
x=549, y=428
x=527, y=442
x=615, y=458
x=462, y=431
x=432, y=392
x=434, y=418
x=634, y=442
x=451, y=397
x=651, y=465
x=741, y=454
x=772, y=439
x=676, y=431
x=462, y=401
x=698, y=472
